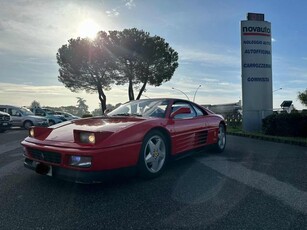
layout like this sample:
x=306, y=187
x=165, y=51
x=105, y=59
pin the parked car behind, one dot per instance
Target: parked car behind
x=52, y=112
x=22, y=117
x=5, y=121
x=68, y=116
x=50, y=115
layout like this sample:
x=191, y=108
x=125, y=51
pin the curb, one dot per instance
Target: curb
x=269, y=138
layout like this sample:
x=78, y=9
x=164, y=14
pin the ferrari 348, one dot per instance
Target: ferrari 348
x=142, y=135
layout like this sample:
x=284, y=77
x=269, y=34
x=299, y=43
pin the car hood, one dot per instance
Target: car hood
x=3, y=113
x=64, y=131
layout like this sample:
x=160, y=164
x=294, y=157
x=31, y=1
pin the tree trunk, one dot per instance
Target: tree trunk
x=102, y=99
x=142, y=90
x=130, y=91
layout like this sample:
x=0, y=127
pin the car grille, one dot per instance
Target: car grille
x=4, y=118
x=47, y=156
x=201, y=138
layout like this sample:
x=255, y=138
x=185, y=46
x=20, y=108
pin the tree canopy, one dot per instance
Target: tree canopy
x=82, y=107
x=302, y=96
x=86, y=65
x=130, y=57
x=35, y=104
x=142, y=59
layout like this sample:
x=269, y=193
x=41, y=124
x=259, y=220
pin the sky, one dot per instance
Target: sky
x=205, y=33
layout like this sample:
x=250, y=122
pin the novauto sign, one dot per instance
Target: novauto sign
x=256, y=68
x=256, y=51
x=258, y=31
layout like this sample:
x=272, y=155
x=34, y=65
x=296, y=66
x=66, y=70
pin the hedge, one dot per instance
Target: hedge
x=294, y=124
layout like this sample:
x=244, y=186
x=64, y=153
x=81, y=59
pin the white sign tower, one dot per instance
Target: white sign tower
x=257, y=95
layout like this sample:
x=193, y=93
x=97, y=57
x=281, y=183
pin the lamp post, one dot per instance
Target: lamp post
x=196, y=92
x=182, y=93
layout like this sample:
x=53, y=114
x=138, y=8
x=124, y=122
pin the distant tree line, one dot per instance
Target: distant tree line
x=80, y=109
x=302, y=96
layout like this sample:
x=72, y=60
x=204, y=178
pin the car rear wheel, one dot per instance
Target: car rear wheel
x=221, y=142
x=27, y=124
x=153, y=155
x=51, y=122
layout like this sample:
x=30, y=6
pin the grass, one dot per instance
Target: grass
x=258, y=135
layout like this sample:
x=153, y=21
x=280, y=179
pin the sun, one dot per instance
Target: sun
x=88, y=28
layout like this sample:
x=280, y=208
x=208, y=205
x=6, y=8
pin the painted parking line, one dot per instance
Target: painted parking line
x=282, y=191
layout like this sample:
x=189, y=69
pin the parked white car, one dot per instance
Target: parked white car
x=5, y=121
x=22, y=117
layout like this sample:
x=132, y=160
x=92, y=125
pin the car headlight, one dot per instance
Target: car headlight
x=80, y=161
x=87, y=137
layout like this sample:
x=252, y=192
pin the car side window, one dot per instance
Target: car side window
x=178, y=105
x=40, y=112
x=14, y=112
x=198, y=111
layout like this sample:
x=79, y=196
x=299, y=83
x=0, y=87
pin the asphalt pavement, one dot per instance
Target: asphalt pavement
x=254, y=184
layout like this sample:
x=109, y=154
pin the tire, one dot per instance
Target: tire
x=27, y=124
x=153, y=155
x=221, y=141
x=51, y=122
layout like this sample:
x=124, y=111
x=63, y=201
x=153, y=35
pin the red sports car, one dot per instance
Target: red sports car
x=141, y=135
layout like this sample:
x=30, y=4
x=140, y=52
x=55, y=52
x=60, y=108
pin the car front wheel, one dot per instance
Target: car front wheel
x=27, y=124
x=153, y=155
x=221, y=141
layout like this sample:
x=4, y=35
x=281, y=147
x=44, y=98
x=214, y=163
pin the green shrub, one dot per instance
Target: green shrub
x=294, y=124
x=86, y=115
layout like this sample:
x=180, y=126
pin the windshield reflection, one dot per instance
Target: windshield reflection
x=142, y=108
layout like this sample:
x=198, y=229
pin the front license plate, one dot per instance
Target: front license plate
x=4, y=124
x=50, y=171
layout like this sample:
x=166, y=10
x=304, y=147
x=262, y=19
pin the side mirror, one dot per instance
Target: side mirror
x=182, y=110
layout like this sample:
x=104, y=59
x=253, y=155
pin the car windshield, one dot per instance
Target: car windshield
x=142, y=108
x=51, y=113
x=26, y=111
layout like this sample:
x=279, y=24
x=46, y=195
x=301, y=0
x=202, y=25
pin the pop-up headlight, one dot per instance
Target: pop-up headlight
x=31, y=132
x=87, y=137
x=39, y=132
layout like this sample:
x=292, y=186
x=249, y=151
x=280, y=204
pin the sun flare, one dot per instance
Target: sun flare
x=88, y=28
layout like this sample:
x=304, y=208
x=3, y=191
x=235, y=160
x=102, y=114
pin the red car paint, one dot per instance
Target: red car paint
x=119, y=138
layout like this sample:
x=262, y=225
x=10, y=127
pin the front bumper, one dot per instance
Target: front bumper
x=104, y=164
x=76, y=176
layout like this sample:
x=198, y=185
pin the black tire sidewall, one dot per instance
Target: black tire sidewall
x=51, y=122
x=26, y=126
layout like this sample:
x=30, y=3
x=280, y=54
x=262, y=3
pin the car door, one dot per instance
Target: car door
x=189, y=130
x=16, y=116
